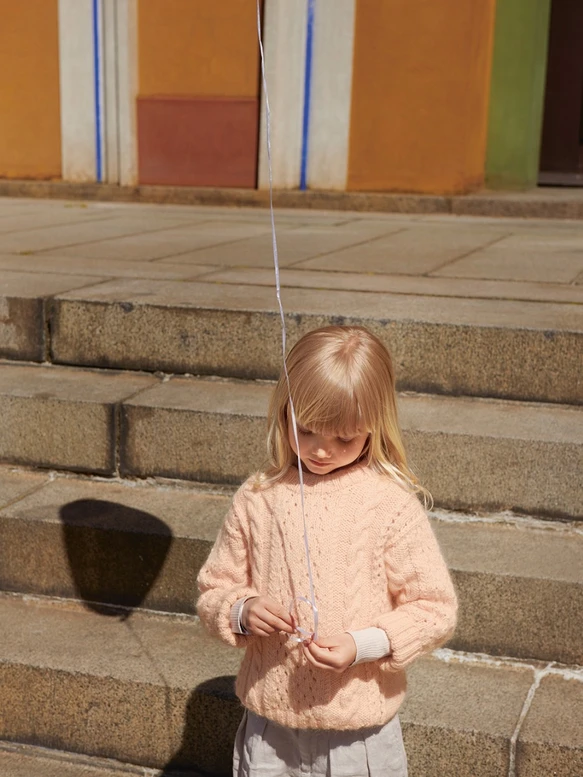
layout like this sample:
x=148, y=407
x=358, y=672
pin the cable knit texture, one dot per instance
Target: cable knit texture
x=376, y=563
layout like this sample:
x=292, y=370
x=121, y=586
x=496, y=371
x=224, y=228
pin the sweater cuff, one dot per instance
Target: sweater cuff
x=236, y=613
x=371, y=644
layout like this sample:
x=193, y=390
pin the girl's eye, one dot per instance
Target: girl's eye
x=345, y=440
x=302, y=430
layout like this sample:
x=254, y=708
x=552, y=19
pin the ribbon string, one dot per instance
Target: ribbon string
x=311, y=601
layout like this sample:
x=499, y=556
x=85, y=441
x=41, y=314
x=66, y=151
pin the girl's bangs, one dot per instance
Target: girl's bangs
x=330, y=410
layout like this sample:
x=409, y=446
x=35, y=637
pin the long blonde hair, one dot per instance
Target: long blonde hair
x=342, y=382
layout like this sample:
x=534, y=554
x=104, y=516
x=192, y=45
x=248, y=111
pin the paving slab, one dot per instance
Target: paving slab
x=38, y=218
x=98, y=229
x=154, y=692
x=550, y=739
x=108, y=543
x=520, y=589
x=417, y=250
x=397, y=284
x=294, y=245
x=519, y=350
x=61, y=417
x=16, y=485
x=521, y=258
x=184, y=241
x=23, y=310
x=99, y=269
x=470, y=453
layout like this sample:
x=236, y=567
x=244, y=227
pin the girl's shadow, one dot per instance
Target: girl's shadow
x=212, y=717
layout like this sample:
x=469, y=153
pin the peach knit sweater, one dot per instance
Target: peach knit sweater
x=376, y=563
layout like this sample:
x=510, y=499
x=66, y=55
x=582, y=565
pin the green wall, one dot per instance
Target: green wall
x=517, y=93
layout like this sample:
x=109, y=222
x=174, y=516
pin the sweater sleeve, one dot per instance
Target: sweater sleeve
x=226, y=576
x=424, y=599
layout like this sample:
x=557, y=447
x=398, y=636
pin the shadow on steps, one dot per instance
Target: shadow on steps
x=115, y=552
x=213, y=714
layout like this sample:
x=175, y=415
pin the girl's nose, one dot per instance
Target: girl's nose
x=322, y=451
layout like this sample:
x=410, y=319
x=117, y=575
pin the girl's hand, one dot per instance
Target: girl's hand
x=335, y=653
x=262, y=616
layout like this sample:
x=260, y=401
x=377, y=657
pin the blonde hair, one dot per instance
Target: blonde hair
x=342, y=383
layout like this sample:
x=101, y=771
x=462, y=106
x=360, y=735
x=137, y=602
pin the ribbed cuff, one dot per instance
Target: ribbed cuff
x=236, y=613
x=406, y=639
x=371, y=644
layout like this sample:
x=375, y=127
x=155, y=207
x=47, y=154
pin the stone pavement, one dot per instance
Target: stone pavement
x=68, y=245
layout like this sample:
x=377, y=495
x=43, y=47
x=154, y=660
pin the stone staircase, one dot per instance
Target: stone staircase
x=130, y=411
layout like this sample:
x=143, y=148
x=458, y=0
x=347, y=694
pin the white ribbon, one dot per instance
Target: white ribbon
x=303, y=634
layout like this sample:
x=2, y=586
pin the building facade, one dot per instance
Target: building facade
x=366, y=95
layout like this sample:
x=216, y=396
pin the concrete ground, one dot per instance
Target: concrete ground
x=429, y=255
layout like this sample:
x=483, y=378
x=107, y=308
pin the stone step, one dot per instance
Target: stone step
x=156, y=692
x=473, y=454
x=520, y=583
x=18, y=760
x=514, y=349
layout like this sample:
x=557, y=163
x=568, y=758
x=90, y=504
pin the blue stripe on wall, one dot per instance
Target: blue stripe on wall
x=97, y=88
x=307, y=95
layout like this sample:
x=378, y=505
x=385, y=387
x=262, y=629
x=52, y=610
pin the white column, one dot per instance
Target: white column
x=114, y=69
x=127, y=90
x=331, y=93
x=77, y=82
x=284, y=41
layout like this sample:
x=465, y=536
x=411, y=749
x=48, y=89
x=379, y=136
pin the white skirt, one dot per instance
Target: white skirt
x=265, y=749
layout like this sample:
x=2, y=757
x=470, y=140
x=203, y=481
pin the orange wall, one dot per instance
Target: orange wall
x=420, y=91
x=198, y=47
x=30, y=130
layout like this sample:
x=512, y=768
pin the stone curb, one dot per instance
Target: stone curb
x=530, y=204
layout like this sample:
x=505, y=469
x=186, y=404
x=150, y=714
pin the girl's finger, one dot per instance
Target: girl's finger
x=314, y=661
x=258, y=632
x=275, y=623
x=323, y=642
x=321, y=654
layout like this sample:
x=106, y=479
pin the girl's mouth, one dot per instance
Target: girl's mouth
x=319, y=463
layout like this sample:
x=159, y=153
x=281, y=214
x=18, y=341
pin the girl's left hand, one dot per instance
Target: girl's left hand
x=334, y=653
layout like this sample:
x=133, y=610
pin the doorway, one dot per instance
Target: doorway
x=561, y=161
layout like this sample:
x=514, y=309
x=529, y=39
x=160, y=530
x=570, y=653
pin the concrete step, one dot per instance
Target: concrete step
x=520, y=581
x=154, y=692
x=473, y=454
x=18, y=760
x=515, y=349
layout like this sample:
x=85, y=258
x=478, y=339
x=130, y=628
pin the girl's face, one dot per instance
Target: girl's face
x=322, y=454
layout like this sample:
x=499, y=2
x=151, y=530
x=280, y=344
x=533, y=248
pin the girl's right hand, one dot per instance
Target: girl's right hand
x=263, y=616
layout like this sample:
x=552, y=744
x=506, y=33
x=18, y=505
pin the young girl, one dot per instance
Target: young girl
x=327, y=705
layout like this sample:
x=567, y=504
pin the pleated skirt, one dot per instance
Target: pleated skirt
x=265, y=749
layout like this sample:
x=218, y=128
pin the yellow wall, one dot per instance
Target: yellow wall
x=30, y=132
x=198, y=47
x=420, y=95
